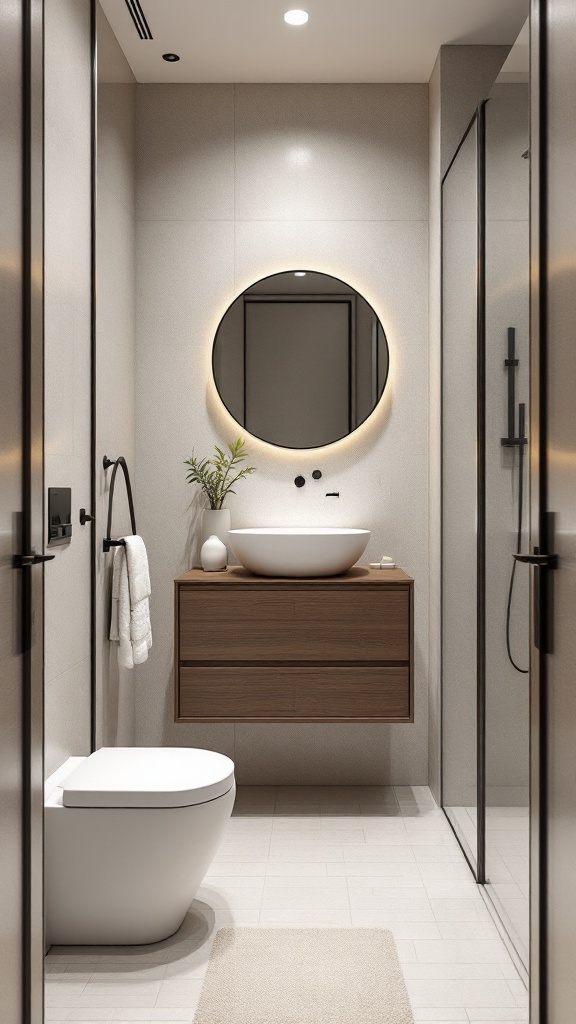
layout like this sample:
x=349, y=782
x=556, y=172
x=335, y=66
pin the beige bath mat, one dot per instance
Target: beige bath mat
x=304, y=976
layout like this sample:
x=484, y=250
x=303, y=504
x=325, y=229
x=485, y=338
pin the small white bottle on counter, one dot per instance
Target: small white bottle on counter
x=213, y=555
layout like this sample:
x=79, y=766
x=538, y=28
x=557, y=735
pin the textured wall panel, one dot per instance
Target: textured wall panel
x=368, y=146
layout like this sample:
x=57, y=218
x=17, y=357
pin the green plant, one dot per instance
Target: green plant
x=218, y=475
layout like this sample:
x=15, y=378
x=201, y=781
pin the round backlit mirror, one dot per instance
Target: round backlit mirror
x=300, y=359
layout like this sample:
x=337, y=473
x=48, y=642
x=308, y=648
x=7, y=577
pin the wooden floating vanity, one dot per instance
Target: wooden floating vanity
x=259, y=649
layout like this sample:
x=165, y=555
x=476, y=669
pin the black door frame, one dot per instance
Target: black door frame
x=32, y=541
x=538, y=503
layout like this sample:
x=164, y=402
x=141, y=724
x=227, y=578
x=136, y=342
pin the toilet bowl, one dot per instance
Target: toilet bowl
x=130, y=833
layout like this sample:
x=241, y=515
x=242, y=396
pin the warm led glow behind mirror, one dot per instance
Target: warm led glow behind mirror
x=300, y=359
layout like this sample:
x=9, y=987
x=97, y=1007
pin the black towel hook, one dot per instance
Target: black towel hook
x=108, y=543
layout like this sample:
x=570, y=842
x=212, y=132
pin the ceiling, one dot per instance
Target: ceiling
x=344, y=40
x=516, y=67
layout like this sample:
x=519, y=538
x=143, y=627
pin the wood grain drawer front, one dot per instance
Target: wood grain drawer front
x=252, y=693
x=310, y=624
x=355, y=692
x=225, y=691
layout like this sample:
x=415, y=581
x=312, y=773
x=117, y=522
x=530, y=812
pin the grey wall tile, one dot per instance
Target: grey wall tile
x=67, y=71
x=67, y=577
x=67, y=361
x=187, y=274
x=117, y=141
x=185, y=152
x=115, y=384
x=60, y=321
x=331, y=755
x=67, y=716
x=185, y=283
x=331, y=152
x=67, y=217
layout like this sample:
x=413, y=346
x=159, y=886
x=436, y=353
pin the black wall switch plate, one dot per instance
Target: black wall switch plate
x=59, y=515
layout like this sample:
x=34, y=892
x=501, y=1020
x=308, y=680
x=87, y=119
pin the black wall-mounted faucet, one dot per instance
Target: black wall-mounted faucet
x=316, y=475
x=300, y=480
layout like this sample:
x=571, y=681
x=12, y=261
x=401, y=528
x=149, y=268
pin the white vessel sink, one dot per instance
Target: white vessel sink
x=298, y=550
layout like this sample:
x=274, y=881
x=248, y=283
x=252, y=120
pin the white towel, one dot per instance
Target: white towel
x=130, y=613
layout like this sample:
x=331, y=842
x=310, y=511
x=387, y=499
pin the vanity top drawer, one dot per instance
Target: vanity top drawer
x=300, y=624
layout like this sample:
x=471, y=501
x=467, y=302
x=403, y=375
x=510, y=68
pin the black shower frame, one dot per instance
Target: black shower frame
x=302, y=270
x=477, y=124
x=93, y=200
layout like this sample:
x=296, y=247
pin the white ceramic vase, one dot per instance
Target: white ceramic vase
x=213, y=555
x=215, y=523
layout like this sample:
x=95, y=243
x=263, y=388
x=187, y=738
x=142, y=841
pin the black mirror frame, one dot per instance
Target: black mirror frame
x=302, y=271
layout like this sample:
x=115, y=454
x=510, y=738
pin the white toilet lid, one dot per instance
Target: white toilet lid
x=148, y=777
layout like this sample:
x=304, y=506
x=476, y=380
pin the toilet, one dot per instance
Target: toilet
x=130, y=833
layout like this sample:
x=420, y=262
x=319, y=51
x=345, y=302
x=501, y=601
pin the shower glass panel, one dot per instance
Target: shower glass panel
x=507, y=611
x=485, y=444
x=459, y=497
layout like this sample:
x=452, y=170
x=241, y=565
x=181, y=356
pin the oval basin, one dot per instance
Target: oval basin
x=298, y=550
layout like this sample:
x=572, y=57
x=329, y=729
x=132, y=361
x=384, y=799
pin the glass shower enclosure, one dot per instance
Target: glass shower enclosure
x=485, y=615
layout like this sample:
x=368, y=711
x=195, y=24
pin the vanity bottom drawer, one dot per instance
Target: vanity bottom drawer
x=279, y=693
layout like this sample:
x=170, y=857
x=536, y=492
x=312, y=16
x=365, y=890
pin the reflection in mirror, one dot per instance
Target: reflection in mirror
x=300, y=359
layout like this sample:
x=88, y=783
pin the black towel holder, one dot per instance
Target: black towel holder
x=108, y=543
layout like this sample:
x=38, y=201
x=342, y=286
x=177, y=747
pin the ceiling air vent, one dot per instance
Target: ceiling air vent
x=139, y=19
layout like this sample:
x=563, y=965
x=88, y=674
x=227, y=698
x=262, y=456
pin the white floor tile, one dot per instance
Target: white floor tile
x=182, y=971
x=465, y=951
x=318, y=883
x=422, y=931
x=378, y=889
x=444, y=1015
x=324, y=857
x=458, y=910
x=503, y=1016
x=484, y=930
x=453, y=890
x=485, y=993
x=179, y=993
x=233, y=883
x=342, y=836
x=158, y=1015
x=406, y=877
x=305, y=899
x=278, y=869
x=305, y=918
x=374, y=853
x=293, y=852
x=452, y=972
x=223, y=868
x=437, y=854
x=76, y=1015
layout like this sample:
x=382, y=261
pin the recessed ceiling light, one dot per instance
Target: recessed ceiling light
x=296, y=17
x=299, y=273
x=170, y=57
